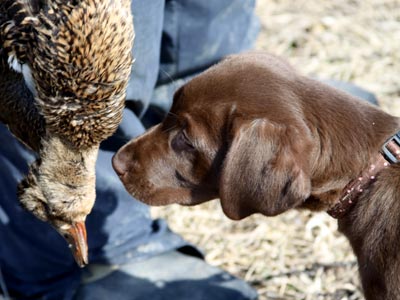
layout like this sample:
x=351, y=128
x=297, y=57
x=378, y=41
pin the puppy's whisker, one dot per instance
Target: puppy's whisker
x=172, y=114
x=169, y=76
x=167, y=130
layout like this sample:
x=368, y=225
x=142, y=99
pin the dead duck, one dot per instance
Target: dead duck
x=64, y=67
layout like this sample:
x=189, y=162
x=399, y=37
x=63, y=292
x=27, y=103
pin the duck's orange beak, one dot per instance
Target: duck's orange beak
x=77, y=241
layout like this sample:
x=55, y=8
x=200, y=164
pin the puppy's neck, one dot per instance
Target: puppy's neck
x=348, y=134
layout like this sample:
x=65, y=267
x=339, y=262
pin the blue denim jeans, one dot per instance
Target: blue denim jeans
x=174, y=40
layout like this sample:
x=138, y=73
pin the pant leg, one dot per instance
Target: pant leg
x=171, y=275
x=148, y=17
x=197, y=34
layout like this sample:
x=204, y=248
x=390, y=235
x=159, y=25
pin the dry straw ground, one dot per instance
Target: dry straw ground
x=300, y=255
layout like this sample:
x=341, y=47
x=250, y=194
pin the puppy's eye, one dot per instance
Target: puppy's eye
x=181, y=142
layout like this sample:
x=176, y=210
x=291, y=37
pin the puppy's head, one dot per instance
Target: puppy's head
x=223, y=138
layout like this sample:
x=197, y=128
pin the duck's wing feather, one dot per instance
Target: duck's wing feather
x=17, y=104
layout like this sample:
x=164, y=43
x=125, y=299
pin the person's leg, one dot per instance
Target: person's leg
x=36, y=261
x=197, y=34
x=171, y=275
x=148, y=17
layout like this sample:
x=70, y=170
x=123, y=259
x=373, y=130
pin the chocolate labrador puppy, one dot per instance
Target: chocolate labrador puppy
x=263, y=139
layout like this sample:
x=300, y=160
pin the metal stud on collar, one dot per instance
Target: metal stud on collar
x=391, y=149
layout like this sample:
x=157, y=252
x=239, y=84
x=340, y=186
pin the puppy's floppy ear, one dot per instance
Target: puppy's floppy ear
x=266, y=169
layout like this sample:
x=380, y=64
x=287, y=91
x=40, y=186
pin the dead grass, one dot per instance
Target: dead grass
x=300, y=255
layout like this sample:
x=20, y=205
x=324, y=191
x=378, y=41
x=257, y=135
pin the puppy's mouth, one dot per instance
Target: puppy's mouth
x=183, y=191
x=184, y=182
x=159, y=196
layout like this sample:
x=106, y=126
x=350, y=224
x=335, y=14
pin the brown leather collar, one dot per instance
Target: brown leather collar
x=389, y=154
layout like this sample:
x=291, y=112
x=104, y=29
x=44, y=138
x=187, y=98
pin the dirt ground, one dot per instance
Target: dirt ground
x=300, y=255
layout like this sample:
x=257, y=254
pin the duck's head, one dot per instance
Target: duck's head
x=77, y=56
x=60, y=190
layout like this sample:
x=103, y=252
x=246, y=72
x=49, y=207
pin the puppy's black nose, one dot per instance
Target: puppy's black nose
x=119, y=163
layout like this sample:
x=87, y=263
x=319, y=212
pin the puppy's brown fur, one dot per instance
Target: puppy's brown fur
x=264, y=139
